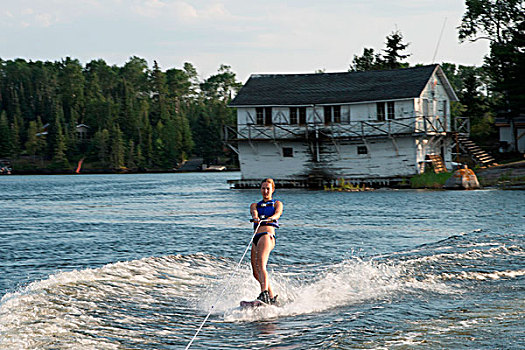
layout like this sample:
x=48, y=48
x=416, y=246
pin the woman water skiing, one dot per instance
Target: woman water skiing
x=268, y=210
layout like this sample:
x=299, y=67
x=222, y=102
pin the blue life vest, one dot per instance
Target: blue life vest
x=265, y=210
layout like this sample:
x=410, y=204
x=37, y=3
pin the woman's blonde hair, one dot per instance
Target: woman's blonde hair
x=270, y=181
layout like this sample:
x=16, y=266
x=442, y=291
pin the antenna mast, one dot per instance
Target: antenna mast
x=439, y=40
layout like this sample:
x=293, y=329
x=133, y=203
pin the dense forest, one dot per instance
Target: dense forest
x=53, y=114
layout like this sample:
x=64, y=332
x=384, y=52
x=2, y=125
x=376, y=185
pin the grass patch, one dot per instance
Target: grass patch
x=429, y=180
x=343, y=186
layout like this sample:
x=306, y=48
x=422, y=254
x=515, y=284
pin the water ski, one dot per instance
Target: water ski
x=252, y=304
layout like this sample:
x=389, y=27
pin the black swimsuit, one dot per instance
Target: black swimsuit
x=260, y=234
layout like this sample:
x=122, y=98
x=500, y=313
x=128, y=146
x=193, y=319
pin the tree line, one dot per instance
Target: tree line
x=135, y=117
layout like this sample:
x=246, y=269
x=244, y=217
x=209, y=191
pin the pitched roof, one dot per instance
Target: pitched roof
x=327, y=88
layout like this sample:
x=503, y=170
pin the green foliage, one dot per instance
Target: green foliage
x=137, y=117
x=102, y=146
x=391, y=59
x=59, y=156
x=429, y=180
x=116, y=149
x=471, y=85
x=5, y=136
x=343, y=186
x=502, y=23
x=32, y=144
x=394, y=45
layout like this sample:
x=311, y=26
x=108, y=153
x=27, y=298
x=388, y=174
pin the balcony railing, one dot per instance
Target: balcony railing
x=388, y=128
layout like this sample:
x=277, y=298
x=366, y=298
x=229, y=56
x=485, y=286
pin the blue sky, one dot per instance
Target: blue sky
x=250, y=36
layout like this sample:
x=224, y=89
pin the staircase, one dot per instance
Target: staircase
x=437, y=163
x=478, y=155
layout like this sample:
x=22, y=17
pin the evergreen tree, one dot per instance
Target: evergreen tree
x=117, y=149
x=15, y=135
x=391, y=59
x=130, y=155
x=141, y=162
x=59, y=155
x=102, y=146
x=5, y=136
x=32, y=144
x=71, y=88
x=41, y=139
x=159, y=104
x=369, y=60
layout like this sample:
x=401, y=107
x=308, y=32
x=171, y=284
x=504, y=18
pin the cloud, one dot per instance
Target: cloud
x=181, y=11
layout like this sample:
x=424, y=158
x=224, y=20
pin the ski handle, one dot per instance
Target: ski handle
x=263, y=220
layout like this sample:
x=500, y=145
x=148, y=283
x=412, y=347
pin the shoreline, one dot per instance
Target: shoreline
x=509, y=176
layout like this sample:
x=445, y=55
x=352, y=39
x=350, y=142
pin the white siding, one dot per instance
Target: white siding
x=362, y=112
x=436, y=96
x=264, y=159
x=382, y=160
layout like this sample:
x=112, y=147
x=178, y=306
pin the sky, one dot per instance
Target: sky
x=297, y=36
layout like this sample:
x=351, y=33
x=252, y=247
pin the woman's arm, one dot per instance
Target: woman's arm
x=278, y=211
x=253, y=212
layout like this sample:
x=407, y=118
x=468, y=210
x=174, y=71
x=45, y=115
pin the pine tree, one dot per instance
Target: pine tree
x=16, y=127
x=130, y=155
x=59, y=156
x=5, y=136
x=41, y=139
x=393, y=57
x=117, y=149
x=31, y=144
x=141, y=162
x=102, y=146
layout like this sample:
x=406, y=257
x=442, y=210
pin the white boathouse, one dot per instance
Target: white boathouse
x=374, y=127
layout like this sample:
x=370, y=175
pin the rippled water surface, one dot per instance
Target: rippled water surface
x=137, y=261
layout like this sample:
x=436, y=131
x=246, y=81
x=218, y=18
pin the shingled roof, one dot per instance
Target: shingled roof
x=327, y=88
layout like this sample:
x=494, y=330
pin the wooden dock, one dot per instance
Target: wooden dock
x=319, y=183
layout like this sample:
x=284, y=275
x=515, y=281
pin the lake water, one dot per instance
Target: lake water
x=137, y=261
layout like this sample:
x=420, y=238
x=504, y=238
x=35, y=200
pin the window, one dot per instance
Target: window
x=391, y=110
x=337, y=114
x=332, y=114
x=264, y=115
x=298, y=111
x=293, y=115
x=287, y=152
x=260, y=115
x=380, y=111
x=268, y=116
x=327, y=114
x=302, y=115
x=362, y=150
x=445, y=108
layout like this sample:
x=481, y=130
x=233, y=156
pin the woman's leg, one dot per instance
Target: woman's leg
x=254, y=262
x=263, y=248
